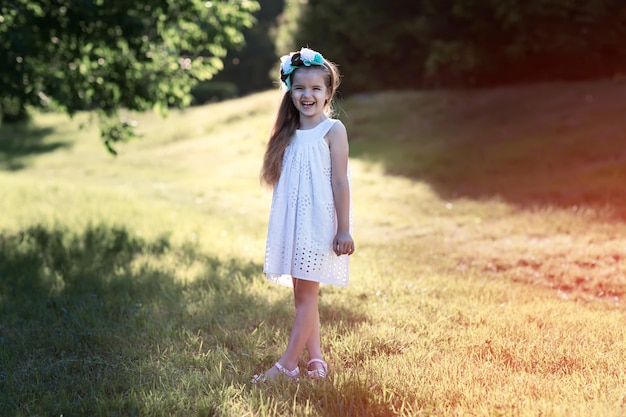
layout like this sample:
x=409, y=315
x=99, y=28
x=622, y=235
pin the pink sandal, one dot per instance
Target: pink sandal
x=289, y=374
x=318, y=373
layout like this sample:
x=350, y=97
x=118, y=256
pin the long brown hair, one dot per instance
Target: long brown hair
x=286, y=123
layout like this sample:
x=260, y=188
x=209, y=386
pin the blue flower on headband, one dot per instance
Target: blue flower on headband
x=289, y=63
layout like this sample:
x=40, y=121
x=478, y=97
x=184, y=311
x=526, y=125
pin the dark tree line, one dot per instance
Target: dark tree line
x=96, y=54
x=400, y=44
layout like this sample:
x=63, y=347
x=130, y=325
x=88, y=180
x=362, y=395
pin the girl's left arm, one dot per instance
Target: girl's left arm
x=338, y=143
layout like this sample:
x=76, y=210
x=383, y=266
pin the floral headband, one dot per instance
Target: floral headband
x=289, y=63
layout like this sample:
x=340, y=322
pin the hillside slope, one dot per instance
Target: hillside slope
x=538, y=170
x=557, y=144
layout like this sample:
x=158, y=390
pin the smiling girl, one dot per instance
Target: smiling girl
x=309, y=237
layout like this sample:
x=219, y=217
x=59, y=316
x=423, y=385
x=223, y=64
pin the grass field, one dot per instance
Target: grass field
x=489, y=277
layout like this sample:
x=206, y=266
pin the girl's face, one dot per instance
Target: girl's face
x=309, y=91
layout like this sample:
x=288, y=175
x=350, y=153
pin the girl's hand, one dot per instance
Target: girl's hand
x=343, y=244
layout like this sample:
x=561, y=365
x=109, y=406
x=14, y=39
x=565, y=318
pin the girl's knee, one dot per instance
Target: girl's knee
x=306, y=292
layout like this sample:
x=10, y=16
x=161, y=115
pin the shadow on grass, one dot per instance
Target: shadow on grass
x=346, y=395
x=560, y=145
x=84, y=316
x=19, y=142
x=102, y=322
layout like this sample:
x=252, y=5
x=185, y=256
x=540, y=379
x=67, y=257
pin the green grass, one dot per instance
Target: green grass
x=488, y=280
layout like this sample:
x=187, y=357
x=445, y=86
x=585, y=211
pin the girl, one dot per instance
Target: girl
x=306, y=163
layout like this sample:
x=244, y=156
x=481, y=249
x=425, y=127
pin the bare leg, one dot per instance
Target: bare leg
x=305, y=331
x=313, y=344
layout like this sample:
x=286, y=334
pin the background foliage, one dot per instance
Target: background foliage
x=249, y=66
x=397, y=44
x=107, y=55
x=82, y=55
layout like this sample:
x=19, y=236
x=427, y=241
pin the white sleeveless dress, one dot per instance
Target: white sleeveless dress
x=303, y=221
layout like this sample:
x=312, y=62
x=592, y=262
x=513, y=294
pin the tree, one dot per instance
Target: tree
x=249, y=66
x=410, y=44
x=480, y=42
x=107, y=55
